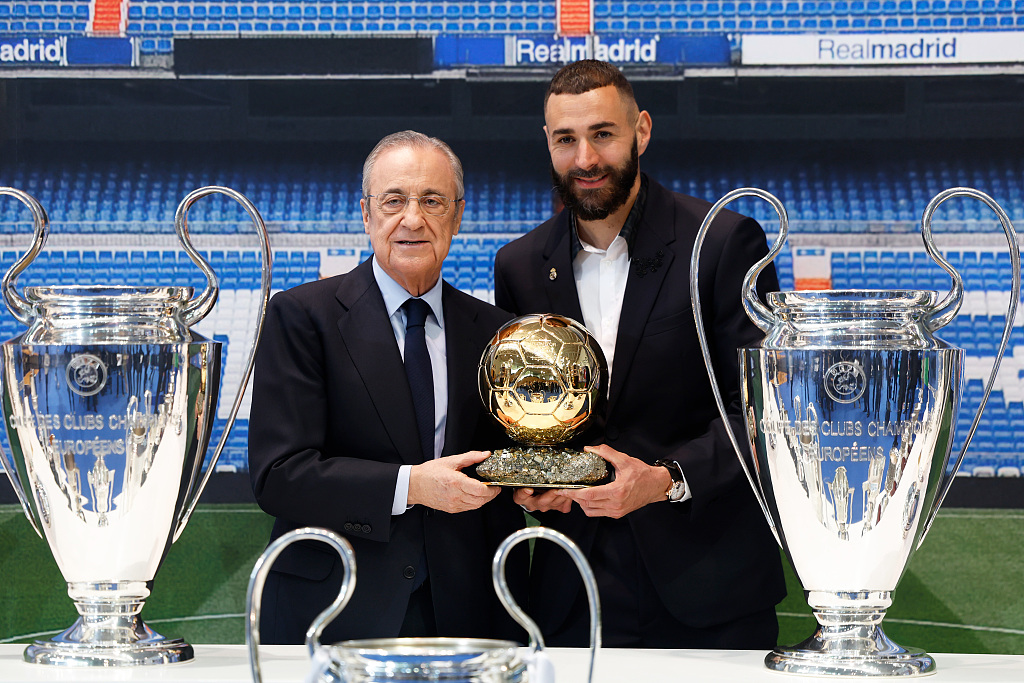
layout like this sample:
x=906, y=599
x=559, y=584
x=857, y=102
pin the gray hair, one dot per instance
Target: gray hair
x=410, y=138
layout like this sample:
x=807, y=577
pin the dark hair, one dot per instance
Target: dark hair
x=586, y=75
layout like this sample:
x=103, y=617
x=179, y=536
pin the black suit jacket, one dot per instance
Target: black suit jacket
x=332, y=421
x=713, y=558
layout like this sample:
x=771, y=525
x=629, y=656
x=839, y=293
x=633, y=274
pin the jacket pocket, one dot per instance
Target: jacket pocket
x=306, y=561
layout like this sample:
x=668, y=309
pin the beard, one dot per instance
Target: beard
x=597, y=204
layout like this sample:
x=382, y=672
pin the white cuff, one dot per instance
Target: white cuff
x=401, y=501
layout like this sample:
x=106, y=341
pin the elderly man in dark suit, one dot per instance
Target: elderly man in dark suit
x=682, y=553
x=364, y=414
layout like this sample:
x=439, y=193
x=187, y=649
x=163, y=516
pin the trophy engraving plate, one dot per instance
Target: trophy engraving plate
x=86, y=374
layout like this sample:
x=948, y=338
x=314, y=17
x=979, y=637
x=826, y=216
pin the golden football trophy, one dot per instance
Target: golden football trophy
x=541, y=377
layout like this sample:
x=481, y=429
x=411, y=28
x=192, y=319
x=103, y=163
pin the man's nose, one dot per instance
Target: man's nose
x=586, y=156
x=413, y=216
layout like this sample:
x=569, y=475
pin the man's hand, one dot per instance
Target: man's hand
x=547, y=500
x=636, y=484
x=440, y=484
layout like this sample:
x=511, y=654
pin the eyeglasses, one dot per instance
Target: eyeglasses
x=431, y=204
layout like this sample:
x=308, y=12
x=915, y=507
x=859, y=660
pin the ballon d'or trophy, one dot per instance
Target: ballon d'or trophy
x=109, y=399
x=850, y=403
x=541, y=376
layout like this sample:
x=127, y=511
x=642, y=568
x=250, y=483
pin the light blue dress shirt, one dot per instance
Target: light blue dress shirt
x=394, y=296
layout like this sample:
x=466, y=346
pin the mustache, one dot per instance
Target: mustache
x=580, y=173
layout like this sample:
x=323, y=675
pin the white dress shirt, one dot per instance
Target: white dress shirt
x=600, y=284
x=394, y=296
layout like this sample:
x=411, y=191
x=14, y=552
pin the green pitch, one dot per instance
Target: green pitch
x=960, y=593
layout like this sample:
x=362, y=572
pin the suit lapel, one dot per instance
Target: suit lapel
x=650, y=260
x=557, y=272
x=369, y=338
x=460, y=331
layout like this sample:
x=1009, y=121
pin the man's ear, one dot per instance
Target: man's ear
x=643, y=131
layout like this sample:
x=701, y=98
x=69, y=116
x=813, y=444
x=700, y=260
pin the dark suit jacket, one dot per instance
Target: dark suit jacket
x=713, y=558
x=332, y=421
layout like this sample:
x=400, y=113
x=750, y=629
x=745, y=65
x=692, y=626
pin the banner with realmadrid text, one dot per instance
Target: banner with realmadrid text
x=64, y=51
x=531, y=50
x=869, y=49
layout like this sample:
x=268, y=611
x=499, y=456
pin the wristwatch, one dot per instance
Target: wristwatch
x=677, y=490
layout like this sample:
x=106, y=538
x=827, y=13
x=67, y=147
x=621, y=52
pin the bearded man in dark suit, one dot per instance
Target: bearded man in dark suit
x=365, y=412
x=684, y=557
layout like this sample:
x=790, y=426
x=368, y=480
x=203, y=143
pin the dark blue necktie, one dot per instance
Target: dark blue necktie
x=417, y=369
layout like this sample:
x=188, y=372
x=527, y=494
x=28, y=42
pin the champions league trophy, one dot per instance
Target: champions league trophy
x=541, y=376
x=459, y=660
x=109, y=399
x=850, y=405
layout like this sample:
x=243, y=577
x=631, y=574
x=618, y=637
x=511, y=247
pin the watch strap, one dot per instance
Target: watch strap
x=677, y=490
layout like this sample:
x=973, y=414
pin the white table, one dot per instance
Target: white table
x=288, y=664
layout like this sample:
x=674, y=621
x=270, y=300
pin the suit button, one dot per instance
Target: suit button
x=348, y=526
x=409, y=572
x=367, y=528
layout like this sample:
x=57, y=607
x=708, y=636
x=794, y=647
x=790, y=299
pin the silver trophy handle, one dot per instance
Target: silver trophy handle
x=505, y=595
x=19, y=307
x=254, y=595
x=199, y=307
x=756, y=311
x=948, y=307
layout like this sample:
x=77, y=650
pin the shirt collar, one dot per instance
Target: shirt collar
x=395, y=295
x=628, y=230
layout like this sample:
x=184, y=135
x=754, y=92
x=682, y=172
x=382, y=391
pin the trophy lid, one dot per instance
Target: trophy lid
x=468, y=660
x=89, y=314
x=865, y=318
x=861, y=301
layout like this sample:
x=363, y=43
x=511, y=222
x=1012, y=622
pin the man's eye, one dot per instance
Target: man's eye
x=431, y=201
x=393, y=201
x=565, y=140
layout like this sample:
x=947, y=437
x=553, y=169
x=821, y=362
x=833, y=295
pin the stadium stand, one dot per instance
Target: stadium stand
x=157, y=22
x=309, y=204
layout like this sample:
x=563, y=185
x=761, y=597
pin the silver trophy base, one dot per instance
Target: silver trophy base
x=112, y=642
x=855, y=651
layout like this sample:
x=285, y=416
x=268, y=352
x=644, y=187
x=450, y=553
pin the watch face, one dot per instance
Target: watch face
x=677, y=491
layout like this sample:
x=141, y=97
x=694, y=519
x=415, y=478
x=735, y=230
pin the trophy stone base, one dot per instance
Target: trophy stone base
x=543, y=467
x=850, y=643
